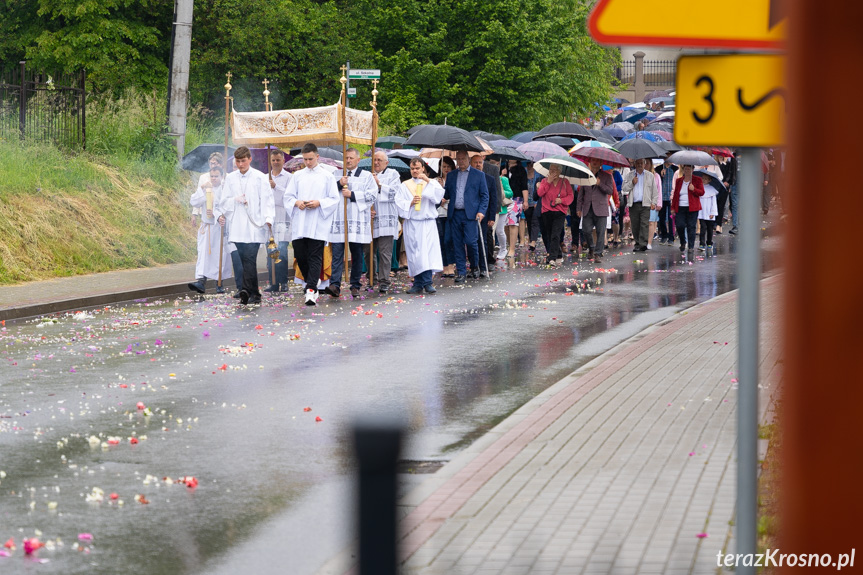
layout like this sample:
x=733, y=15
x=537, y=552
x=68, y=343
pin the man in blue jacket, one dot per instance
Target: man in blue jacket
x=467, y=193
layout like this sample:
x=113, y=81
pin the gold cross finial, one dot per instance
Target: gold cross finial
x=266, y=83
x=228, y=85
x=344, y=69
x=229, y=76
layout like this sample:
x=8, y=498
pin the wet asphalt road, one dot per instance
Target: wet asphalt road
x=130, y=399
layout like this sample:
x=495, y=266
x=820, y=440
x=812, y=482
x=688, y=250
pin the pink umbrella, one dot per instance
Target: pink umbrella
x=537, y=150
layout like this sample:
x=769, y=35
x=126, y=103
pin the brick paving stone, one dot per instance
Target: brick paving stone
x=595, y=476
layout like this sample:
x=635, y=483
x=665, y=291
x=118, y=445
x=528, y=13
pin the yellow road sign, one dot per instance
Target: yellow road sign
x=726, y=24
x=734, y=100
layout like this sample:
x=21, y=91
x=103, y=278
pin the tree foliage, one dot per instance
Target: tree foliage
x=499, y=65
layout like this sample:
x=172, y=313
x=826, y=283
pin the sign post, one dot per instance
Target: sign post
x=727, y=100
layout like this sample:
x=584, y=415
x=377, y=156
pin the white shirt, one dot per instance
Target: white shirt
x=365, y=190
x=386, y=212
x=638, y=188
x=684, y=194
x=248, y=222
x=309, y=184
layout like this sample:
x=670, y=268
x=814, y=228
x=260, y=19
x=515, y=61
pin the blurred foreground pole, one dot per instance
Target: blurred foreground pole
x=748, y=275
x=178, y=83
x=378, y=449
x=822, y=411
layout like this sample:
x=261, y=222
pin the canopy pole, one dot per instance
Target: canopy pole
x=343, y=100
x=374, y=104
x=227, y=119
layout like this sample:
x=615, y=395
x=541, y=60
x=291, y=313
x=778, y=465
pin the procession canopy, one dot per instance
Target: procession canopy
x=321, y=125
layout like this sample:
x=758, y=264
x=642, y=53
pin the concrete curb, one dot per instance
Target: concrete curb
x=75, y=303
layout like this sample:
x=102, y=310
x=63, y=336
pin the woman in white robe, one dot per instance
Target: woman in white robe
x=417, y=201
x=212, y=242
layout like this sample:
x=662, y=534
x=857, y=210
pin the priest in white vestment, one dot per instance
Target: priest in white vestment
x=359, y=189
x=386, y=220
x=279, y=178
x=311, y=200
x=212, y=242
x=417, y=201
x=247, y=202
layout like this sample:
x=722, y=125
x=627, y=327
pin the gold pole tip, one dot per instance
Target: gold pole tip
x=375, y=93
x=228, y=86
x=343, y=80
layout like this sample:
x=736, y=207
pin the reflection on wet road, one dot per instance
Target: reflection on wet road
x=132, y=399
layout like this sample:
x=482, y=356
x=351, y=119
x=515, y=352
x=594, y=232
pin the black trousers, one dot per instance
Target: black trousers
x=249, y=259
x=666, y=228
x=705, y=231
x=489, y=243
x=721, y=198
x=686, y=222
x=574, y=225
x=554, y=222
x=356, y=272
x=310, y=259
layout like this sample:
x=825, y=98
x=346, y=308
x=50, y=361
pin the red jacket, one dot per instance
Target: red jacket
x=694, y=202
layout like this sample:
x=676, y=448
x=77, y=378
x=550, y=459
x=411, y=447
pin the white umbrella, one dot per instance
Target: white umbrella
x=665, y=115
x=575, y=171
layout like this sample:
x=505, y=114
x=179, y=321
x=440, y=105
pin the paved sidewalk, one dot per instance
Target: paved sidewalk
x=617, y=468
x=61, y=294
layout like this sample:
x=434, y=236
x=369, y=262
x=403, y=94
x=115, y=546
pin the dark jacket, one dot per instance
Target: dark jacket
x=596, y=196
x=475, y=193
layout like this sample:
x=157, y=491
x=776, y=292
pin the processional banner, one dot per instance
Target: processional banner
x=321, y=125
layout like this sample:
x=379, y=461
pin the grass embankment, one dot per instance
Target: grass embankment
x=121, y=204
x=64, y=214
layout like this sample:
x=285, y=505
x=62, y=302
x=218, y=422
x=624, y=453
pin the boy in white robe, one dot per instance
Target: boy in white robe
x=212, y=242
x=359, y=189
x=417, y=201
x=707, y=216
x=311, y=200
x=386, y=220
x=247, y=202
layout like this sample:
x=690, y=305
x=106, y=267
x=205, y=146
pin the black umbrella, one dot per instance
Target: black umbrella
x=524, y=137
x=603, y=136
x=710, y=178
x=411, y=131
x=567, y=129
x=561, y=141
x=630, y=116
x=504, y=153
x=487, y=136
x=669, y=146
x=444, y=137
x=198, y=160
x=638, y=148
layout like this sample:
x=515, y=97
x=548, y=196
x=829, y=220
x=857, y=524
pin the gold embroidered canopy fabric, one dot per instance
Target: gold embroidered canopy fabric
x=320, y=125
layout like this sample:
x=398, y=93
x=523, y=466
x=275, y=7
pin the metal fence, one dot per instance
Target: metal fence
x=626, y=73
x=41, y=107
x=660, y=72
x=656, y=72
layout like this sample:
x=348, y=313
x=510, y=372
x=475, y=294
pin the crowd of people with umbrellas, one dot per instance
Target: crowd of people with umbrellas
x=618, y=180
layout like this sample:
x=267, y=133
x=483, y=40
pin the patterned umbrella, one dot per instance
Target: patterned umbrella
x=539, y=150
x=609, y=156
x=570, y=168
x=667, y=136
x=651, y=136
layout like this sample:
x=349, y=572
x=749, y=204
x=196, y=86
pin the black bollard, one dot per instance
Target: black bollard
x=378, y=447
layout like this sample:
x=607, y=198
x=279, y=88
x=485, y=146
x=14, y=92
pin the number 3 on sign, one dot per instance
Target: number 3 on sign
x=708, y=97
x=734, y=100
